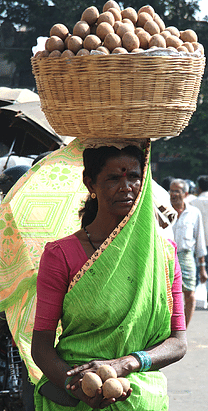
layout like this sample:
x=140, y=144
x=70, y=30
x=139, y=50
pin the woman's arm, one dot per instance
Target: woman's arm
x=46, y=358
x=55, y=369
x=162, y=354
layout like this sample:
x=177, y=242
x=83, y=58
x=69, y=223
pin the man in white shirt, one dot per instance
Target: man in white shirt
x=189, y=236
x=201, y=202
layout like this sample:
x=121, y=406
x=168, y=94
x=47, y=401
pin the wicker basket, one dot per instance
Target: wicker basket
x=116, y=97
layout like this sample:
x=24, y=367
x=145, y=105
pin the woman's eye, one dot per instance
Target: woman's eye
x=135, y=177
x=113, y=178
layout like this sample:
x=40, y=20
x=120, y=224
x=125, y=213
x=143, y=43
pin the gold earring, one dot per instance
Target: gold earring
x=93, y=196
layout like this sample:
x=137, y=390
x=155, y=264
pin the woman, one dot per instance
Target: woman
x=117, y=311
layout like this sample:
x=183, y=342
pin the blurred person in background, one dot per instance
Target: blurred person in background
x=201, y=202
x=191, y=191
x=189, y=236
x=10, y=176
x=166, y=182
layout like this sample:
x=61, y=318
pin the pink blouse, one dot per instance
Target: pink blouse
x=59, y=263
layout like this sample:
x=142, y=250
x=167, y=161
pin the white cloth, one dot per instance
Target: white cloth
x=201, y=202
x=164, y=209
x=189, y=232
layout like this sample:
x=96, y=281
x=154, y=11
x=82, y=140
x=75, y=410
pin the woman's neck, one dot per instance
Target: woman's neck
x=101, y=228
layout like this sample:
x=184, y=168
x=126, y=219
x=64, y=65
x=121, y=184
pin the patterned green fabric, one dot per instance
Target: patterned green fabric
x=119, y=306
x=42, y=206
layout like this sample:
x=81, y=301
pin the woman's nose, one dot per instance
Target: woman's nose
x=125, y=185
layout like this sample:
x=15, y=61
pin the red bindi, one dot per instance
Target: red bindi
x=124, y=172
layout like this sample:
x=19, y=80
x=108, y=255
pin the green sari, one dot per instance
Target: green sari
x=121, y=302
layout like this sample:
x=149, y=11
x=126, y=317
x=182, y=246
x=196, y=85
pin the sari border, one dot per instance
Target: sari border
x=118, y=229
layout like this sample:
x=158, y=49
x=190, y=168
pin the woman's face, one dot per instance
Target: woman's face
x=118, y=185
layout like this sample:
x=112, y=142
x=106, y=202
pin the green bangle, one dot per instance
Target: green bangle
x=67, y=381
x=144, y=359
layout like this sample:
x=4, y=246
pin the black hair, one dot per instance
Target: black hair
x=166, y=182
x=94, y=160
x=202, y=182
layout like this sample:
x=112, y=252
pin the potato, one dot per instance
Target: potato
x=91, y=382
x=116, y=25
x=81, y=29
x=139, y=30
x=106, y=371
x=173, y=30
x=129, y=13
x=42, y=54
x=116, y=13
x=103, y=29
x=165, y=34
x=107, y=17
x=55, y=54
x=92, y=42
x=158, y=41
x=123, y=28
x=188, y=35
x=128, y=22
x=112, y=40
x=130, y=41
x=109, y=4
x=182, y=48
x=173, y=41
x=54, y=43
x=144, y=38
x=125, y=383
x=66, y=41
x=83, y=52
x=112, y=388
x=189, y=46
x=159, y=22
x=119, y=50
x=197, y=46
x=75, y=43
x=67, y=54
x=143, y=18
x=151, y=27
x=103, y=49
x=137, y=51
x=38, y=53
x=147, y=9
x=90, y=15
x=59, y=30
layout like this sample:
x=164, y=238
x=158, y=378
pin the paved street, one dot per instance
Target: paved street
x=188, y=378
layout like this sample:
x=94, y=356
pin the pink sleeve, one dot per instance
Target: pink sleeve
x=52, y=285
x=178, y=317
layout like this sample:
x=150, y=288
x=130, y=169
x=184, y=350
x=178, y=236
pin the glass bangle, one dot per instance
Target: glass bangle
x=144, y=359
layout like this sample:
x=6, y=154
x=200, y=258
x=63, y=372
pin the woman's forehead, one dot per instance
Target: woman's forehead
x=122, y=162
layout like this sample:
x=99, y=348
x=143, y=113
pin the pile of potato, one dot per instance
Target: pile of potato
x=116, y=31
x=105, y=378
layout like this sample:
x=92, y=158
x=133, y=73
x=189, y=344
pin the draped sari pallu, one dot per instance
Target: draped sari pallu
x=121, y=302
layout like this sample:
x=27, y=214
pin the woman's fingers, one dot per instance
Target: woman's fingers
x=78, y=369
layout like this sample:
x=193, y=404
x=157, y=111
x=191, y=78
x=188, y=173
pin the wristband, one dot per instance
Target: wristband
x=67, y=381
x=202, y=264
x=144, y=359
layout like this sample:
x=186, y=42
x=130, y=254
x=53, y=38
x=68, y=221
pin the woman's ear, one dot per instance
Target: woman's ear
x=88, y=183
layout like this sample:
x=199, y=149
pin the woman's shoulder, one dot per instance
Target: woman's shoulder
x=65, y=242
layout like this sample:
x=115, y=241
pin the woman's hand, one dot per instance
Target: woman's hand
x=123, y=366
x=98, y=401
